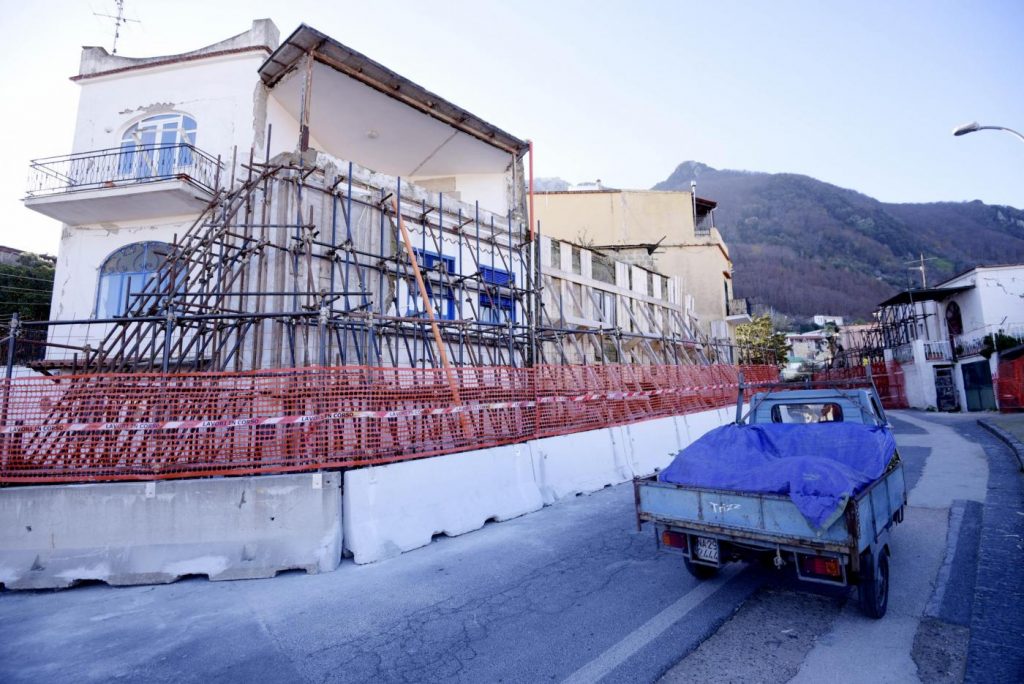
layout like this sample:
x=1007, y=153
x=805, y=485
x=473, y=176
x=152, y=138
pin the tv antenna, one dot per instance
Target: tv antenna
x=119, y=19
x=920, y=267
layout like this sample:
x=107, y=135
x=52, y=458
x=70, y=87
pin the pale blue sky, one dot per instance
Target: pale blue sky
x=863, y=95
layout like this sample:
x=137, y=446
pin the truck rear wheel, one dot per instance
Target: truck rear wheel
x=874, y=588
x=700, y=571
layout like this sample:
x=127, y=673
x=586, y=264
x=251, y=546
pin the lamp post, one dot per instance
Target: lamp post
x=972, y=127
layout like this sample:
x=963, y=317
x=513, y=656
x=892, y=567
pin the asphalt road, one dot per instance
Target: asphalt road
x=570, y=593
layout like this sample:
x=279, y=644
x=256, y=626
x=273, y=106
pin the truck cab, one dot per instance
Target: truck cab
x=803, y=406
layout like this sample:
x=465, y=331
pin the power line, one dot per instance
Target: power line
x=23, y=289
x=24, y=277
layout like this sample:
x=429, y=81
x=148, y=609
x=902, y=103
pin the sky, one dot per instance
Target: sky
x=862, y=95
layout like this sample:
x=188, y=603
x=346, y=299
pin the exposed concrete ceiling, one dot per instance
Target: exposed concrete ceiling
x=354, y=121
x=361, y=110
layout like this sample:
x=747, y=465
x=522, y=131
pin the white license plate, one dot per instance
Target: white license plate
x=707, y=549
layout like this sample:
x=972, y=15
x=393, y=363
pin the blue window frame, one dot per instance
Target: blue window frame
x=126, y=271
x=497, y=308
x=158, y=146
x=442, y=299
x=496, y=276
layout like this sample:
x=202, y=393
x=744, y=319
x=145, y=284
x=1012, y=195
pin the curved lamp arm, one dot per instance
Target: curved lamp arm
x=975, y=126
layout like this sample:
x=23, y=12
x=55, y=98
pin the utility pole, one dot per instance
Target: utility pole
x=119, y=19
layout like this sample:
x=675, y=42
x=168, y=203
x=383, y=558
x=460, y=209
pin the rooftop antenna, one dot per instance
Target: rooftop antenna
x=119, y=19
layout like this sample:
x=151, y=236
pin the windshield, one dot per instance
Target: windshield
x=825, y=412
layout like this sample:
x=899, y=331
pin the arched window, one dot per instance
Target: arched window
x=158, y=147
x=125, y=272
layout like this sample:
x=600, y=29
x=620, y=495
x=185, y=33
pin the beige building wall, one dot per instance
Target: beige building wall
x=629, y=220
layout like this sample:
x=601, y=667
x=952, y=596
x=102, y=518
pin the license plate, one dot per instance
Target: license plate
x=707, y=549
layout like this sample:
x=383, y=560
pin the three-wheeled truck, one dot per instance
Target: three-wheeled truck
x=712, y=526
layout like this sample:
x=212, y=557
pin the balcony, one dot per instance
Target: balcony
x=937, y=350
x=737, y=307
x=988, y=339
x=904, y=353
x=123, y=184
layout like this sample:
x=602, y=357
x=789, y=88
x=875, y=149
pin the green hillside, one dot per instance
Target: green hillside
x=805, y=247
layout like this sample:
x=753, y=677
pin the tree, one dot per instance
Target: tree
x=26, y=287
x=760, y=343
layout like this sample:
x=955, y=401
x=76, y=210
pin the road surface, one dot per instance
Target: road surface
x=575, y=593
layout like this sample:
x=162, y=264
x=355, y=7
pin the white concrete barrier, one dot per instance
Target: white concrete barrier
x=727, y=415
x=232, y=528
x=154, y=532
x=698, y=424
x=394, y=508
x=580, y=463
x=653, y=443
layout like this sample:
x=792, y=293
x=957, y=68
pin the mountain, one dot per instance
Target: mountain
x=806, y=247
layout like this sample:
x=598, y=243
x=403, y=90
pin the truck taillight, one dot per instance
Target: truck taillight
x=676, y=540
x=821, y=566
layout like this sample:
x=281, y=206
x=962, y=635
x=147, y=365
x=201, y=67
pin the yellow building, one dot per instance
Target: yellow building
x=672, y=233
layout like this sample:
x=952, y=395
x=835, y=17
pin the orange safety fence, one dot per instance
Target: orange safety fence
x=160, y=426
x=888, y=379
x=1009, y=384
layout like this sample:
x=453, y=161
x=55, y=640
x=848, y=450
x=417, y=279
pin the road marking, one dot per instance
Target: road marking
x=652, y=629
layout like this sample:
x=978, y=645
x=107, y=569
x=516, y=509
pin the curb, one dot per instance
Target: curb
x=1016, y=446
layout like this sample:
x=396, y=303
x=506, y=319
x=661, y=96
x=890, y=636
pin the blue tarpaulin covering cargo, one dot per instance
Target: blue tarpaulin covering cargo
x=820, y=466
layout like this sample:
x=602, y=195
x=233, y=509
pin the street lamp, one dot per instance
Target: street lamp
x=975, y=126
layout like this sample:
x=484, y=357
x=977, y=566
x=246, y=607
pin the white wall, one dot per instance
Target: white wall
x=997, y=299
x=284, y=134
x=217, y=92
x=83, y=249
x=500, y=258
x=490, y=190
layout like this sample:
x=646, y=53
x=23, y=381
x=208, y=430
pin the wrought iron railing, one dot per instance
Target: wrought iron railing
x=989, y=338
x=122, y=167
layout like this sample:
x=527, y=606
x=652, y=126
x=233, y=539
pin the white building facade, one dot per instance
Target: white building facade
x=948, y=339
x=161, y=140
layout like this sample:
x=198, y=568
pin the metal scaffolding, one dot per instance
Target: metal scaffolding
x=304, y=263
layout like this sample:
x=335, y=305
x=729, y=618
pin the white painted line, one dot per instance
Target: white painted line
x=652, y=629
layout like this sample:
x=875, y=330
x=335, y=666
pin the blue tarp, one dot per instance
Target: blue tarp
x=819, y=465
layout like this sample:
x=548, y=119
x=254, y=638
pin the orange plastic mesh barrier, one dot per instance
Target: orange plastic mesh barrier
x=156, y=426
x=888, y=378
x=1009, y=385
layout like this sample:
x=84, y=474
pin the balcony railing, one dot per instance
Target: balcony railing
x=123, y=167
x=904, y=353
x=937, y=350
x=990, y=337
x=737, y=307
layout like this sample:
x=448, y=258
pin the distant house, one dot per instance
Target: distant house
x=809, y=346
x=949, y=339
x=821, y=321
x=672, y=233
